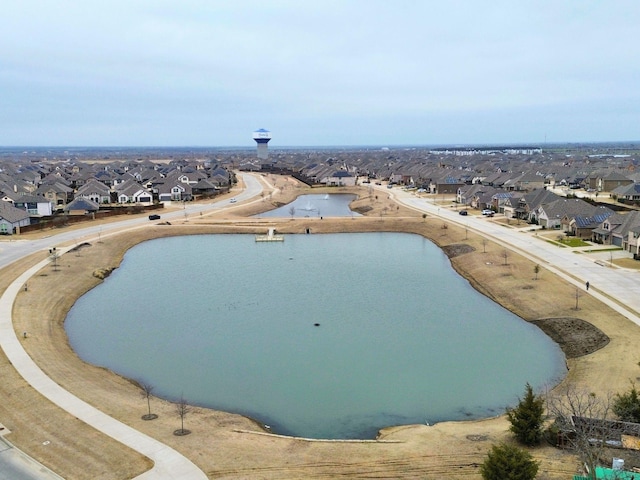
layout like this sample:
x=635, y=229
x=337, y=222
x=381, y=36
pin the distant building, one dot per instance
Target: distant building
x=262, y=138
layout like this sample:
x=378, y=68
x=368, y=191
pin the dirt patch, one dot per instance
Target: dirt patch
x=574, y=336
x=457, y=249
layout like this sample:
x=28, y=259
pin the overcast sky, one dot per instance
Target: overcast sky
x=324, y=72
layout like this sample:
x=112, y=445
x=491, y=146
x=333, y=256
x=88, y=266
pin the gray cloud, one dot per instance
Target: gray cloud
x=321, y=73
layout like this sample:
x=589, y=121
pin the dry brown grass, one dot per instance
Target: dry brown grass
x=231, y=446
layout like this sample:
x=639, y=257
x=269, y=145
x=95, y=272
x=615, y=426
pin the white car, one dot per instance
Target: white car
x=233, y=200
x=486, y=211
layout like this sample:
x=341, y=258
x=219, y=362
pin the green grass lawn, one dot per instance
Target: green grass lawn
x=574, y=242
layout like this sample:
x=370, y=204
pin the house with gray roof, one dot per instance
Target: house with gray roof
x=132, y=192
x=81, y=206
x=95, y=191
x=629, y=193
x=583, y=226
x=35, y=205
x=175, y=192
x=525, y=207
x=612, y=181
x=57, y=193
x=204, y=187
x=615, y=229
x=558, y=213
x=12, y=218
x=339, y=178
x=633, y=242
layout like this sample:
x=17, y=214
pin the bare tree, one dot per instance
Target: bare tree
x=182, y=408
x=536, y=270
x=146, y=391
x=577, y=298
x=582, y=424
x=505, y=255
x=484, y=245
x=54, y=255
x=292, y=211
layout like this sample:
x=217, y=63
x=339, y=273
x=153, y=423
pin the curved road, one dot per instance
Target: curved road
x=606, y=283
x=168, y=463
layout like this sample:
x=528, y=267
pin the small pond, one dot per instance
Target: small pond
x=316, y=205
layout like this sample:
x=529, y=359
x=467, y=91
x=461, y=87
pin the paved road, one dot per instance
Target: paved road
x=15, y=465
x=168, y=463
x=14, y=249
x=620, y=284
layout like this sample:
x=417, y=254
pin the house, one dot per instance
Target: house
x=219, y=177
x=583, y=226
x=35, y=205
x=445, y=184
x=615, y=229
x=132, y=192
x=175, y=192
x=81, y=206
x=525, y=207
x=526, y=182
x=469, y=195
x=204, y=187
x=633, y=242
x=499, y=200
x=57, y=193
x=339, y=178
x=612, y=181
x=627, y=193
x=559, y=212
x=12, y=218
x=95, y=191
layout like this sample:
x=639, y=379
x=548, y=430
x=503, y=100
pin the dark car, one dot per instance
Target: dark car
x=463, y=212
x=154, y=217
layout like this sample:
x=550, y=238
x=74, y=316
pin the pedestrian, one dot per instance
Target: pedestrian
x=587, y=286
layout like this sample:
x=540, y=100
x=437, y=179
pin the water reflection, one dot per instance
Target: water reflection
x=315, y=205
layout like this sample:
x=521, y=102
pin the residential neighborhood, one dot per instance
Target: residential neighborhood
x=573, y=190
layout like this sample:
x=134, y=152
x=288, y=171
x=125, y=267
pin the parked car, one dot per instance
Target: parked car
x=487, y=211
x=154, y=217
x=233, y=200
x=463, y=212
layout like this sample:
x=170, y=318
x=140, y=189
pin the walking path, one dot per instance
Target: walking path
x=608, y=284
x=168, y=463
x=618, y=288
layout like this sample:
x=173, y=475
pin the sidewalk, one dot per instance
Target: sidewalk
x=168, y=463
x=619, y=288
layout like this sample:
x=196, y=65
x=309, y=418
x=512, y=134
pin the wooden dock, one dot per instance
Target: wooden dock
x=271, y=236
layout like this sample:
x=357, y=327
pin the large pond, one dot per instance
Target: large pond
x=231, y=324
x=315, y=206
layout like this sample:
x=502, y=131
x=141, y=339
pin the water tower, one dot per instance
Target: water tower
x=262, y=138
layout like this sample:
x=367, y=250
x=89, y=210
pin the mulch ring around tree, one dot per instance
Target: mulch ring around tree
x=576, y=337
